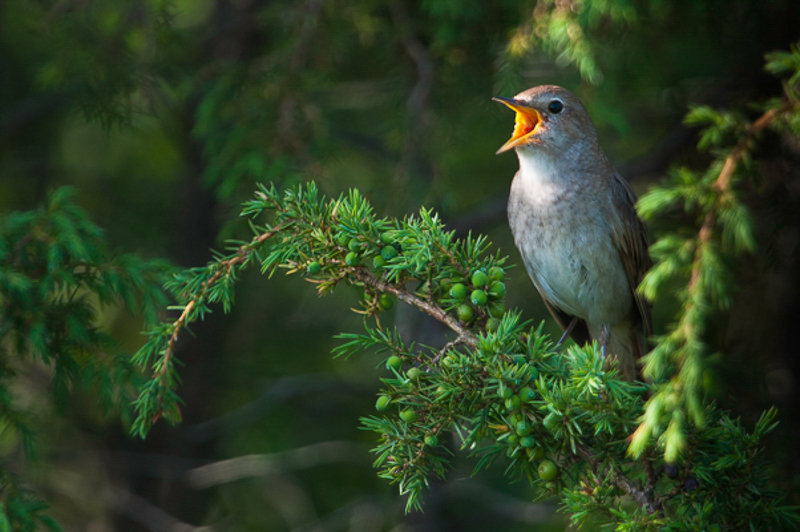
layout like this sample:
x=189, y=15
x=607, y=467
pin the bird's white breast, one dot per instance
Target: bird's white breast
x=561, y=240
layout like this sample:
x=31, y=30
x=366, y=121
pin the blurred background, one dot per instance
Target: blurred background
x=164, y=114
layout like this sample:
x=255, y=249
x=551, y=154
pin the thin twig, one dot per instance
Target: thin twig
x=402, y=294
x=723, y=182
x=225, y=267
x=642, y=497
x=448, y=346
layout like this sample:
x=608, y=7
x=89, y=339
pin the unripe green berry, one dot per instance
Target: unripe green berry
x=497, y=309
x=354, y=244
x=527, y=442
x=492, y=324
x=383, y=403
x=352, y=259
x=450, y=361
x=497, y=289
x=413, y=373
x=496, y=273
x=387, y=237
x=385, y=302
x=343, y=239
x=523, y=428
x=458, y=291
x=504, y=391
x=408, y=415
x=547, y=470
x=431, y=440
x=314, y=268
x=479, y=279
x=394, y=362
x=526, y=394
x=478, y=297
x=537, y=453
x=512, y=439
x=465, y=313
x=378, y=262
x=512, y=403
x=389, y=252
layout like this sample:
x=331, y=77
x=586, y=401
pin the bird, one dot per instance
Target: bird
x=574, y=222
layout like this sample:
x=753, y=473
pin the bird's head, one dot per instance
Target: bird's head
x=548, y=118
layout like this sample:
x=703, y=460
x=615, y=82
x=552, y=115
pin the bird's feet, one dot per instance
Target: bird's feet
x=603, y=339
x=566, y=333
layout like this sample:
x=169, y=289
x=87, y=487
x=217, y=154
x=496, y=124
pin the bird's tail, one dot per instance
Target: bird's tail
x=628, y=345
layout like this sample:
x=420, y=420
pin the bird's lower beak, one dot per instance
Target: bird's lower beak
x=524, y=125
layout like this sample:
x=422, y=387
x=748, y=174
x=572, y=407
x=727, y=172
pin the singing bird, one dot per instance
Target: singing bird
x=576, y=227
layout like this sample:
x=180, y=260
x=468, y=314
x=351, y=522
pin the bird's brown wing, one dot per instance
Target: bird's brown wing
x=579, y=333
x=632, y=243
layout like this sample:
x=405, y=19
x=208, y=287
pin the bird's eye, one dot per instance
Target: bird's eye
x=555, y=106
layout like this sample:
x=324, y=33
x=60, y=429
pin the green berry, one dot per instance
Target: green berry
x=527, y=442
x=389, y=252
x=352, y=259
x=512, y=439
x=383, y=403
x=512, y=403
x=465, y=313
x=394, y=362
x=450, y=361
x=497, y=289
x=537, y=453
x=496, y=273
x=478, y=297
x=408, y=415
x=413, y=373
x=385, y=302
x=551, y=421
x=504, y=392
x=497, y=309
x=387, y=237
x=343, y=239
x=523, y=428
x=479, y=279
x=520, y=360
x=492, y=324
x=526, y=394
x=378, y=262
x=431, y=440
x=354, y=244
x=547, y=470
x=458, y=291
x=533, y=373
x=314, y=268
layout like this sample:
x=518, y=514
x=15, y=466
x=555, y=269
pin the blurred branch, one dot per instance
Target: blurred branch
x=143, y=512
x=257, y=465
x=275, y=392
x=417, y=102
x=507, y=507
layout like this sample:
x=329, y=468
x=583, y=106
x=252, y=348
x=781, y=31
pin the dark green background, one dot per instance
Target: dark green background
x=164, y=115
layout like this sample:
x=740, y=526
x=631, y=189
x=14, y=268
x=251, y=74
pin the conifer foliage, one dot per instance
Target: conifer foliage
x=56, y=274
x=498, y=387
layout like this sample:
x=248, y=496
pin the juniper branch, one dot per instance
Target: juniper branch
x=406, y=296
x=224, y=268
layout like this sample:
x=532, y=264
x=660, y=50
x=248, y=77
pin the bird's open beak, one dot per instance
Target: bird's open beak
x=524, y=125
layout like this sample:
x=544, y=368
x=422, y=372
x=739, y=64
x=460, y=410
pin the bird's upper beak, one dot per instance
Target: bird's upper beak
x=524, y=125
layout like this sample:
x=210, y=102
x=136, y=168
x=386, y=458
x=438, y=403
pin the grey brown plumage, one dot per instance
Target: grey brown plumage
x=575, y=225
